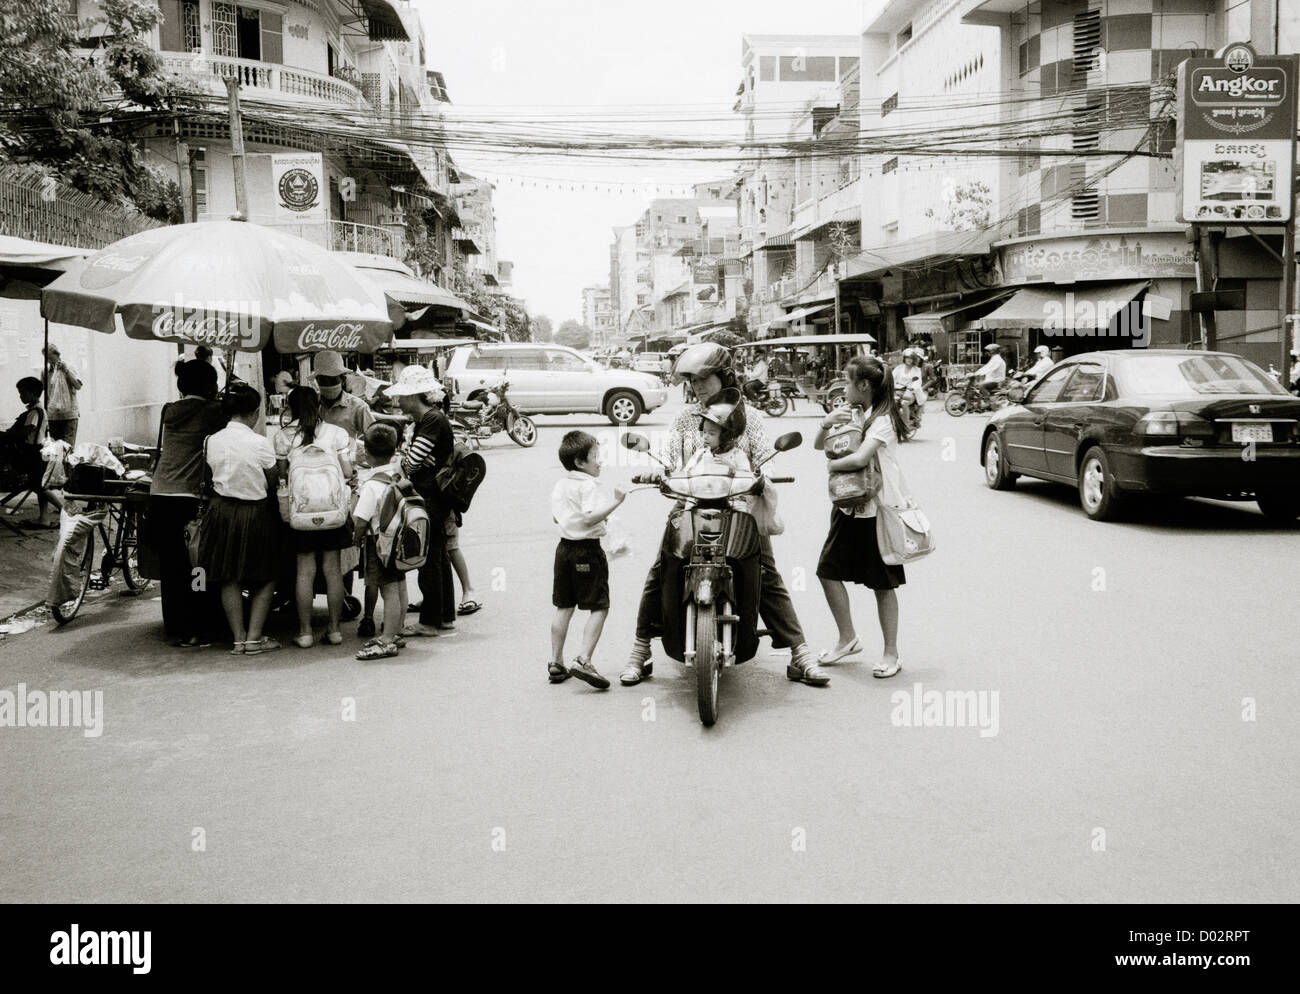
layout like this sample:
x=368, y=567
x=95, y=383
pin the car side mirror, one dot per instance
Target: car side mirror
x=791, y=440
x=637, y=443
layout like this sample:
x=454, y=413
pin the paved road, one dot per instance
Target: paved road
x=1122, y=768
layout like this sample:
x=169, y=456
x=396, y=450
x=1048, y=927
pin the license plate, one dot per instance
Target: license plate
x=1252, y=431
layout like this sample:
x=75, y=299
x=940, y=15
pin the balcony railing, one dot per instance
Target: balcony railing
x=342, y=236
x=266, y=77
x=46, y=211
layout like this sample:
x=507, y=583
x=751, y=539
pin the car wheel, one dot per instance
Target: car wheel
x=623, y=408
x=996, y=473
x=1283, y=508
x=1098, y=494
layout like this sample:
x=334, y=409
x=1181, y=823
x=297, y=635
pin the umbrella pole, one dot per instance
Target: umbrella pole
x=45, y=367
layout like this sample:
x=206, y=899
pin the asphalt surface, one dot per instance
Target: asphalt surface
x=1145, y=742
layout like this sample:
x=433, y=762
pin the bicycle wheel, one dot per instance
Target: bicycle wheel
x=127, y=544
x=65, y=612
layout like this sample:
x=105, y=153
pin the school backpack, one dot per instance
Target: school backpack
x=318, y=494
x=460, y=476
x=402, y=541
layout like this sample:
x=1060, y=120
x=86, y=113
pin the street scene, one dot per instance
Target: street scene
x=875, y=482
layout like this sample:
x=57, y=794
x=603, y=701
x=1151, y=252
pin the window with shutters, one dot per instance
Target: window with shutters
x=1029, y=221
x=1085, y=206
x=1087, y=41
x=890, y=104
x=1087, y=126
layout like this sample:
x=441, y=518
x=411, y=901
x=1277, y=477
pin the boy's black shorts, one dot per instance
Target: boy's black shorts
x=581, y=575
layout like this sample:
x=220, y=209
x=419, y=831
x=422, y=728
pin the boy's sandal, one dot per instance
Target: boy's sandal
x=238, y=649
x=415, y=632
x=378, y=650
x=379, y=640
x=334, y=638
x=257, y=648
x=557, y=672
x=469, y=607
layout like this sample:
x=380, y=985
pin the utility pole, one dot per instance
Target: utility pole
x=237, y=148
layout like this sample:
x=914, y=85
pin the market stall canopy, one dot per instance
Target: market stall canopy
x=1088, y=306
x=228, y=285
x=801, y=313
x=932, y=322
x=482, y=326
x=797, y=340
x=401, y=284
x=26, y=254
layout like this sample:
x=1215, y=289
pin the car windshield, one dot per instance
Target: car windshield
x=1190, y=376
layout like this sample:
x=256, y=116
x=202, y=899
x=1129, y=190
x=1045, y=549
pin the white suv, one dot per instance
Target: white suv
x=553, y=379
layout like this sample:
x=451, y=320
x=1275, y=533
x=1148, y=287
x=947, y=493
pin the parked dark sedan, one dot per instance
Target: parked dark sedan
x=1160, y=421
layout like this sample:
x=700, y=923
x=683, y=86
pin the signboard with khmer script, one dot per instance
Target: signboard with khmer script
x=299, y=187
x=1236, y=137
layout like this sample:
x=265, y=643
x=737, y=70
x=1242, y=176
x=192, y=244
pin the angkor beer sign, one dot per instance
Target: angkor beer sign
x=1236, y=137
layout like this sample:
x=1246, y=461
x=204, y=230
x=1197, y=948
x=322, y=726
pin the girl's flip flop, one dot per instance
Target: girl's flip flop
x=828, y=656
x=468, y=607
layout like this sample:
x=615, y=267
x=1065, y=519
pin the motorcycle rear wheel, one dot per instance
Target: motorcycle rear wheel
x=776, y=405
x=955, y=404
x=707, y=662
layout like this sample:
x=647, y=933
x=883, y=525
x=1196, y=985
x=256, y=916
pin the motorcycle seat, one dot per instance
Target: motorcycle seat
x=472, y=405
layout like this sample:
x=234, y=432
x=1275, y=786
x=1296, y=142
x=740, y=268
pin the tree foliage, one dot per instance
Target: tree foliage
x=573, y=334
x=77, y=118
x=543, y=329
x=967, y=206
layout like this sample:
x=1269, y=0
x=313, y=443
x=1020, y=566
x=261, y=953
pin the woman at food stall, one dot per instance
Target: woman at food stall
x=191, y=618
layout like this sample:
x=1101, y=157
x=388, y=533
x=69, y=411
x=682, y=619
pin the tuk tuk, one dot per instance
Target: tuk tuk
x=816, y=365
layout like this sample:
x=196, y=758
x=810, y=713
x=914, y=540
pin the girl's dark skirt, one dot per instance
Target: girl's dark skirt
x=240, y=540
x=852, y=554
x=331, y=540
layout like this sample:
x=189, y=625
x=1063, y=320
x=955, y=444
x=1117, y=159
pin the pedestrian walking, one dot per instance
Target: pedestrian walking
x=851, y=553
x=581, y=573
x=61, y=397
x=25, y=437
x=420, y=396
x=315, y=460
x=191, y=617
x=240, y=532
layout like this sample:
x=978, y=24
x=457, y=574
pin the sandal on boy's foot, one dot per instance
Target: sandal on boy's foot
x=634, y=672
x=304, y=641
x=238, y=649
x=397, y=640
x=334, y=638
x=882, y=670
x=366, y=628
x=469, y=606
x=835, y=655
x=556, y=672
x=587, y=673
x=378, y=650
x=264, y=645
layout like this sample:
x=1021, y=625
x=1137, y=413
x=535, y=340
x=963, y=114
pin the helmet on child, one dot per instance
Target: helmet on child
x=727, y=411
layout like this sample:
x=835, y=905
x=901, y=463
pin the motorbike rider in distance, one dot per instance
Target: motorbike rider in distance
x=1042, y=363
x=909, y=388
x=992, y=375
x=707, y=370
x=756, y=379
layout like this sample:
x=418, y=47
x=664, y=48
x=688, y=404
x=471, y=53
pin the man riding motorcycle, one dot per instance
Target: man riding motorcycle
x=756, y=379
x=1042, y=363
x=909, y=386
x=992, y=375
x=707, y=370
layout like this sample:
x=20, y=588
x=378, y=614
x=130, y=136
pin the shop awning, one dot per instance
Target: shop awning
x=401, y=284
x=481, y=326
x=933, y=322
x=1081, y=306
x=384, y=22
x=849, y=215
x=782, y=240
x=27, y=254
x=794, y=316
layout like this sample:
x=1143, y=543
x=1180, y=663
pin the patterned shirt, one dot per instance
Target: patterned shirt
x=684, y=437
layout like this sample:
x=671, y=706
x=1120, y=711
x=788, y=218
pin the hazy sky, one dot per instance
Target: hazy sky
x=581, y=55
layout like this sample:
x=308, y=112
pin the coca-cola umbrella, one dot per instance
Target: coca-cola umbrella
x=229, y=285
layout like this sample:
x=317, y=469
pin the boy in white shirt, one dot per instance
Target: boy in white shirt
x=581, y=575
x=380, y=443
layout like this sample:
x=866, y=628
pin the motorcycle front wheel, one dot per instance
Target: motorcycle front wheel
x=707, y=662
x=522, y=430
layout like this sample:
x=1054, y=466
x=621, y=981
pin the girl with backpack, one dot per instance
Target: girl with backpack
x=315, y=457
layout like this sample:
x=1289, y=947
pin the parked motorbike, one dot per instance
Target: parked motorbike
x=968, y=399
x=488, y=411
x=711, y=574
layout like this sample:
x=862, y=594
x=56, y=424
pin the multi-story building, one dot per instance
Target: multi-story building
x=598, y=314
x=787, y=82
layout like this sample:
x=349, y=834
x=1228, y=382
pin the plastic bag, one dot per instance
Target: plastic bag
x=94, y=454
x=55, y=453
x=616, y=541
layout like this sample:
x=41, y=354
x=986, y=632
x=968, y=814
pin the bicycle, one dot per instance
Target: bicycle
x=116, y=517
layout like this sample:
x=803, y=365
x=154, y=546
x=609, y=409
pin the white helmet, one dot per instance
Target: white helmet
x=1043, y=351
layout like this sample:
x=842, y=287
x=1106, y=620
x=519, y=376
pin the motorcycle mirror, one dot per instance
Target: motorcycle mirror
x=789, y=441
x=637, y=443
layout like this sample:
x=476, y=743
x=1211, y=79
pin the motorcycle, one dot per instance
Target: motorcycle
x=488, y=411
x=773, y=400
x=910, y=407
x=969, y=399
x=711, y=572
